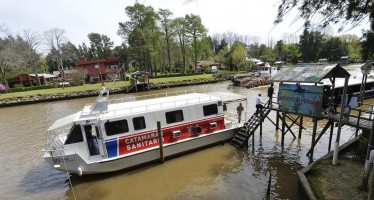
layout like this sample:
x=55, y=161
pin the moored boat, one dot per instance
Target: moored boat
x=267, y=70
x=120, y=134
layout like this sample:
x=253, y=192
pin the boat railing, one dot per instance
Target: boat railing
x=232, y=117
x=150, y=96
x=158, y=106
x=56, y=138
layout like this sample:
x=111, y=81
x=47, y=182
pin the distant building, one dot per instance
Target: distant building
x=99, y=69
x=27, y=80
x=323, y=60
x=208, y=63
x=344, y=60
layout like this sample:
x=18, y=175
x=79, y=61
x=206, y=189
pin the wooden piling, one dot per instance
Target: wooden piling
x=277, y=121
x=313, y=136
x=301, y=126
x=261, y=120
x=330, y=138
x=160, y=141
x=253, y=140
x=283, y=127
x=269, y=186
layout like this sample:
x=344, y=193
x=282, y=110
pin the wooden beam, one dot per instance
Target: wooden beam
x=293, y=119
x=301, y=126
x=331, y=132
x=313, y=136
x=288, y=128
x=283, y=127
x=277, y=121
x=320, y=135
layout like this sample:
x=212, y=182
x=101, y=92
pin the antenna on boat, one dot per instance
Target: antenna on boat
x=101, y=103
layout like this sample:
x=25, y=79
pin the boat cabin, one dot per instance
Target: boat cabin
x=131, y=126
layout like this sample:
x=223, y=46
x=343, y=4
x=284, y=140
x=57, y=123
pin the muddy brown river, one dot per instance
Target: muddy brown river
x=220, y=172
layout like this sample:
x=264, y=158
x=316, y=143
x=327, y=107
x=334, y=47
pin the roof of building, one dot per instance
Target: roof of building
x=309, y=73
x=206, y=62
x=109, y=59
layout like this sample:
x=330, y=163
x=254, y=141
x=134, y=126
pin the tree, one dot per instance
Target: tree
x=310, y=43
x=367, y=51
x=291, y=53
x=54, y=39
x=332, y=12
x=237, y=56
x=195, y=31
x=333, y=49
x=85, y=51
x=279, y=46
x=267, y=54
x=122, y=53
x=138, y=32
x=70, y=54
x=165, y=23
x=354, y=46
x=31, y=54
x=179, y=26
x=101, y=46
x=11, y=58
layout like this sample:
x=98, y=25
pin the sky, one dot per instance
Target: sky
x=80, y=17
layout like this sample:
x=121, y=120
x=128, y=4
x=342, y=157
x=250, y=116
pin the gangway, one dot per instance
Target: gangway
x=249, y=127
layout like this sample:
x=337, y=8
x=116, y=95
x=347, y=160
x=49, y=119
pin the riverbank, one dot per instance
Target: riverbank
x=40, y=98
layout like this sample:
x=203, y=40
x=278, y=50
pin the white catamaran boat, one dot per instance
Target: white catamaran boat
x=122, y=134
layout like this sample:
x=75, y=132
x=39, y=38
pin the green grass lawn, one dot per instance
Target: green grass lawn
x=98, y=86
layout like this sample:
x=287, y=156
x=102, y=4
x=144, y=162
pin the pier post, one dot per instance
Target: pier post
x=261, y=120
x=330, y=138
x=160, y=141
x=283, y=127
x=301, y=126
x=269, y=185
x=315, y=121
x=253, y=140
x=277, y=121
x=342, y=106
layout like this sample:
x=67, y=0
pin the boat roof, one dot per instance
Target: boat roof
x=147, y=105
x=64, y=121
x=228, y=97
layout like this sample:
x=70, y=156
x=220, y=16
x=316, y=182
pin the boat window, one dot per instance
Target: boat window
x=139, y=123
x=174, y=116
x=75, y=135
x=116, y=127
x=210, y=109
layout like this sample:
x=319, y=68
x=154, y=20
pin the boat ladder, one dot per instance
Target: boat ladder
x=249, y=127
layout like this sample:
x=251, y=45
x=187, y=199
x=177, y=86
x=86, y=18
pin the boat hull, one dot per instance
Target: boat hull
x=75, y=164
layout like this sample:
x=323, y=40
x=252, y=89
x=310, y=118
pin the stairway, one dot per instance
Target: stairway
x=248, y=128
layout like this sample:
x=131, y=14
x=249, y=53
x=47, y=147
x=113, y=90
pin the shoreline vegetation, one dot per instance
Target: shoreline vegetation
x=91, y=90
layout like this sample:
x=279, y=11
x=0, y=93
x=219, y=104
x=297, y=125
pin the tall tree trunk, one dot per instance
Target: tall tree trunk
x=168, y=49
x=195, y=52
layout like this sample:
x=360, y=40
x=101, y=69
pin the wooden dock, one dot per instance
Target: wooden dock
x=359, y=119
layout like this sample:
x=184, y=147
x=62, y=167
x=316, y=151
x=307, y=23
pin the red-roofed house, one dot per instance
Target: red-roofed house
x=99, y=69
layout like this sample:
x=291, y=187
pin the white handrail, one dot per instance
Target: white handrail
x=150, y=96
x=156, y=106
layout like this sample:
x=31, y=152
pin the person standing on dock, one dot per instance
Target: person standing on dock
x=270, y=93
x=224, y=107
x=239, y=110
x=259, y=105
